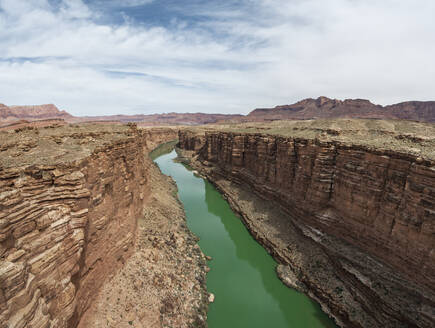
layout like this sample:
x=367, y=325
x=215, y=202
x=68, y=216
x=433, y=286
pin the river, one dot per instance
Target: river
x=242, y=276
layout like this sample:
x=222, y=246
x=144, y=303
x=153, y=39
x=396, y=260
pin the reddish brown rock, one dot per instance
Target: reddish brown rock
x=32, y=113
x=68, y=220
x=321, y=107
x=324, y=107
x=386, y=199
x=18, y=115
x=379, y=202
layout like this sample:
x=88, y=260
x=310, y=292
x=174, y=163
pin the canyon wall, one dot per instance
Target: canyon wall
x=381, y=202
x=67, y=225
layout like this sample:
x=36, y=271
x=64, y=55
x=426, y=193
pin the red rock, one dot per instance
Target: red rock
x=324, y=107
x=381, y=202
x=64, y=227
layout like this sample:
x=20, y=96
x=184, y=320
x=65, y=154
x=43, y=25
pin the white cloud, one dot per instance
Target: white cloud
x=74, y=9
x=124, y=3
x=258, y=53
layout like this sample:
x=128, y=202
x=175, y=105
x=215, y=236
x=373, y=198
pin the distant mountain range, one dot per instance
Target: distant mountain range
x=324, y=107
x=18, y=114
x=42, y=112
x=321, y=107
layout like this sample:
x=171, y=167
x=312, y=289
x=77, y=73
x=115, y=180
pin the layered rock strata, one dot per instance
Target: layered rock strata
x=355, y=227
x=70, y=200
x=163, y=283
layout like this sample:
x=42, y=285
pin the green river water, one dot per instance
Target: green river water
x=242, y=276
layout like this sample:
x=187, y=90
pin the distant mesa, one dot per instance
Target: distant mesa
x=310, y=108
x=162, y=119
x=324, y=107
x=13, y=114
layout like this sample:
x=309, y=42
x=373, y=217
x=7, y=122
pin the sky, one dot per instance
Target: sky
x=96, y=57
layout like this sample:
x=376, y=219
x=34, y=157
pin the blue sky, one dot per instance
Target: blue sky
x=94, y=57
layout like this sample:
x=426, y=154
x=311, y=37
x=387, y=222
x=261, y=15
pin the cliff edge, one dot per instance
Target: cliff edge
x=355, y=226
x=71, y=201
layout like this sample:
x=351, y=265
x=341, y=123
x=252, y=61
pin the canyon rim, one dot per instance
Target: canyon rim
x=351, y=217
x=220, y=163
x=92, y=234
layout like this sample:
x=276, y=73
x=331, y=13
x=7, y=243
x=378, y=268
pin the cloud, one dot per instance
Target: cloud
x=124, y=3
x=223, y=56
x=74, y=9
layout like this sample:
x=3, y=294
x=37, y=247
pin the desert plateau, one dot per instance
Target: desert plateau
x=93, y=235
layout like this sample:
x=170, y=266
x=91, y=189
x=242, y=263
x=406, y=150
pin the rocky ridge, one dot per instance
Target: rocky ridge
x=324, y=107
x=70, y=200
x=321, y=107
x=162, y=119
x=357, y=231
x=31, y=113
x=14, y=115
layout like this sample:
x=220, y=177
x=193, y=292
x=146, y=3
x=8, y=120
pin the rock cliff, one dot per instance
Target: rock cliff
x=370, y=212
x=70, y=199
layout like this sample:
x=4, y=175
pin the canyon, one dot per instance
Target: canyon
x=83, y=210
x=93, y=235
x=348, y=213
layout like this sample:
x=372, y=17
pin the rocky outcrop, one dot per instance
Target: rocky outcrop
x=375, y=209
x=414, y=110
x=189, y=140
x=324, y=107
x=67, y=221
x=40, y=112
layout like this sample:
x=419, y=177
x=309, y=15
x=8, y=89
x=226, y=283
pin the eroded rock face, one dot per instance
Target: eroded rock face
x=382, y=203
x=65, y=228
x=163, y=283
